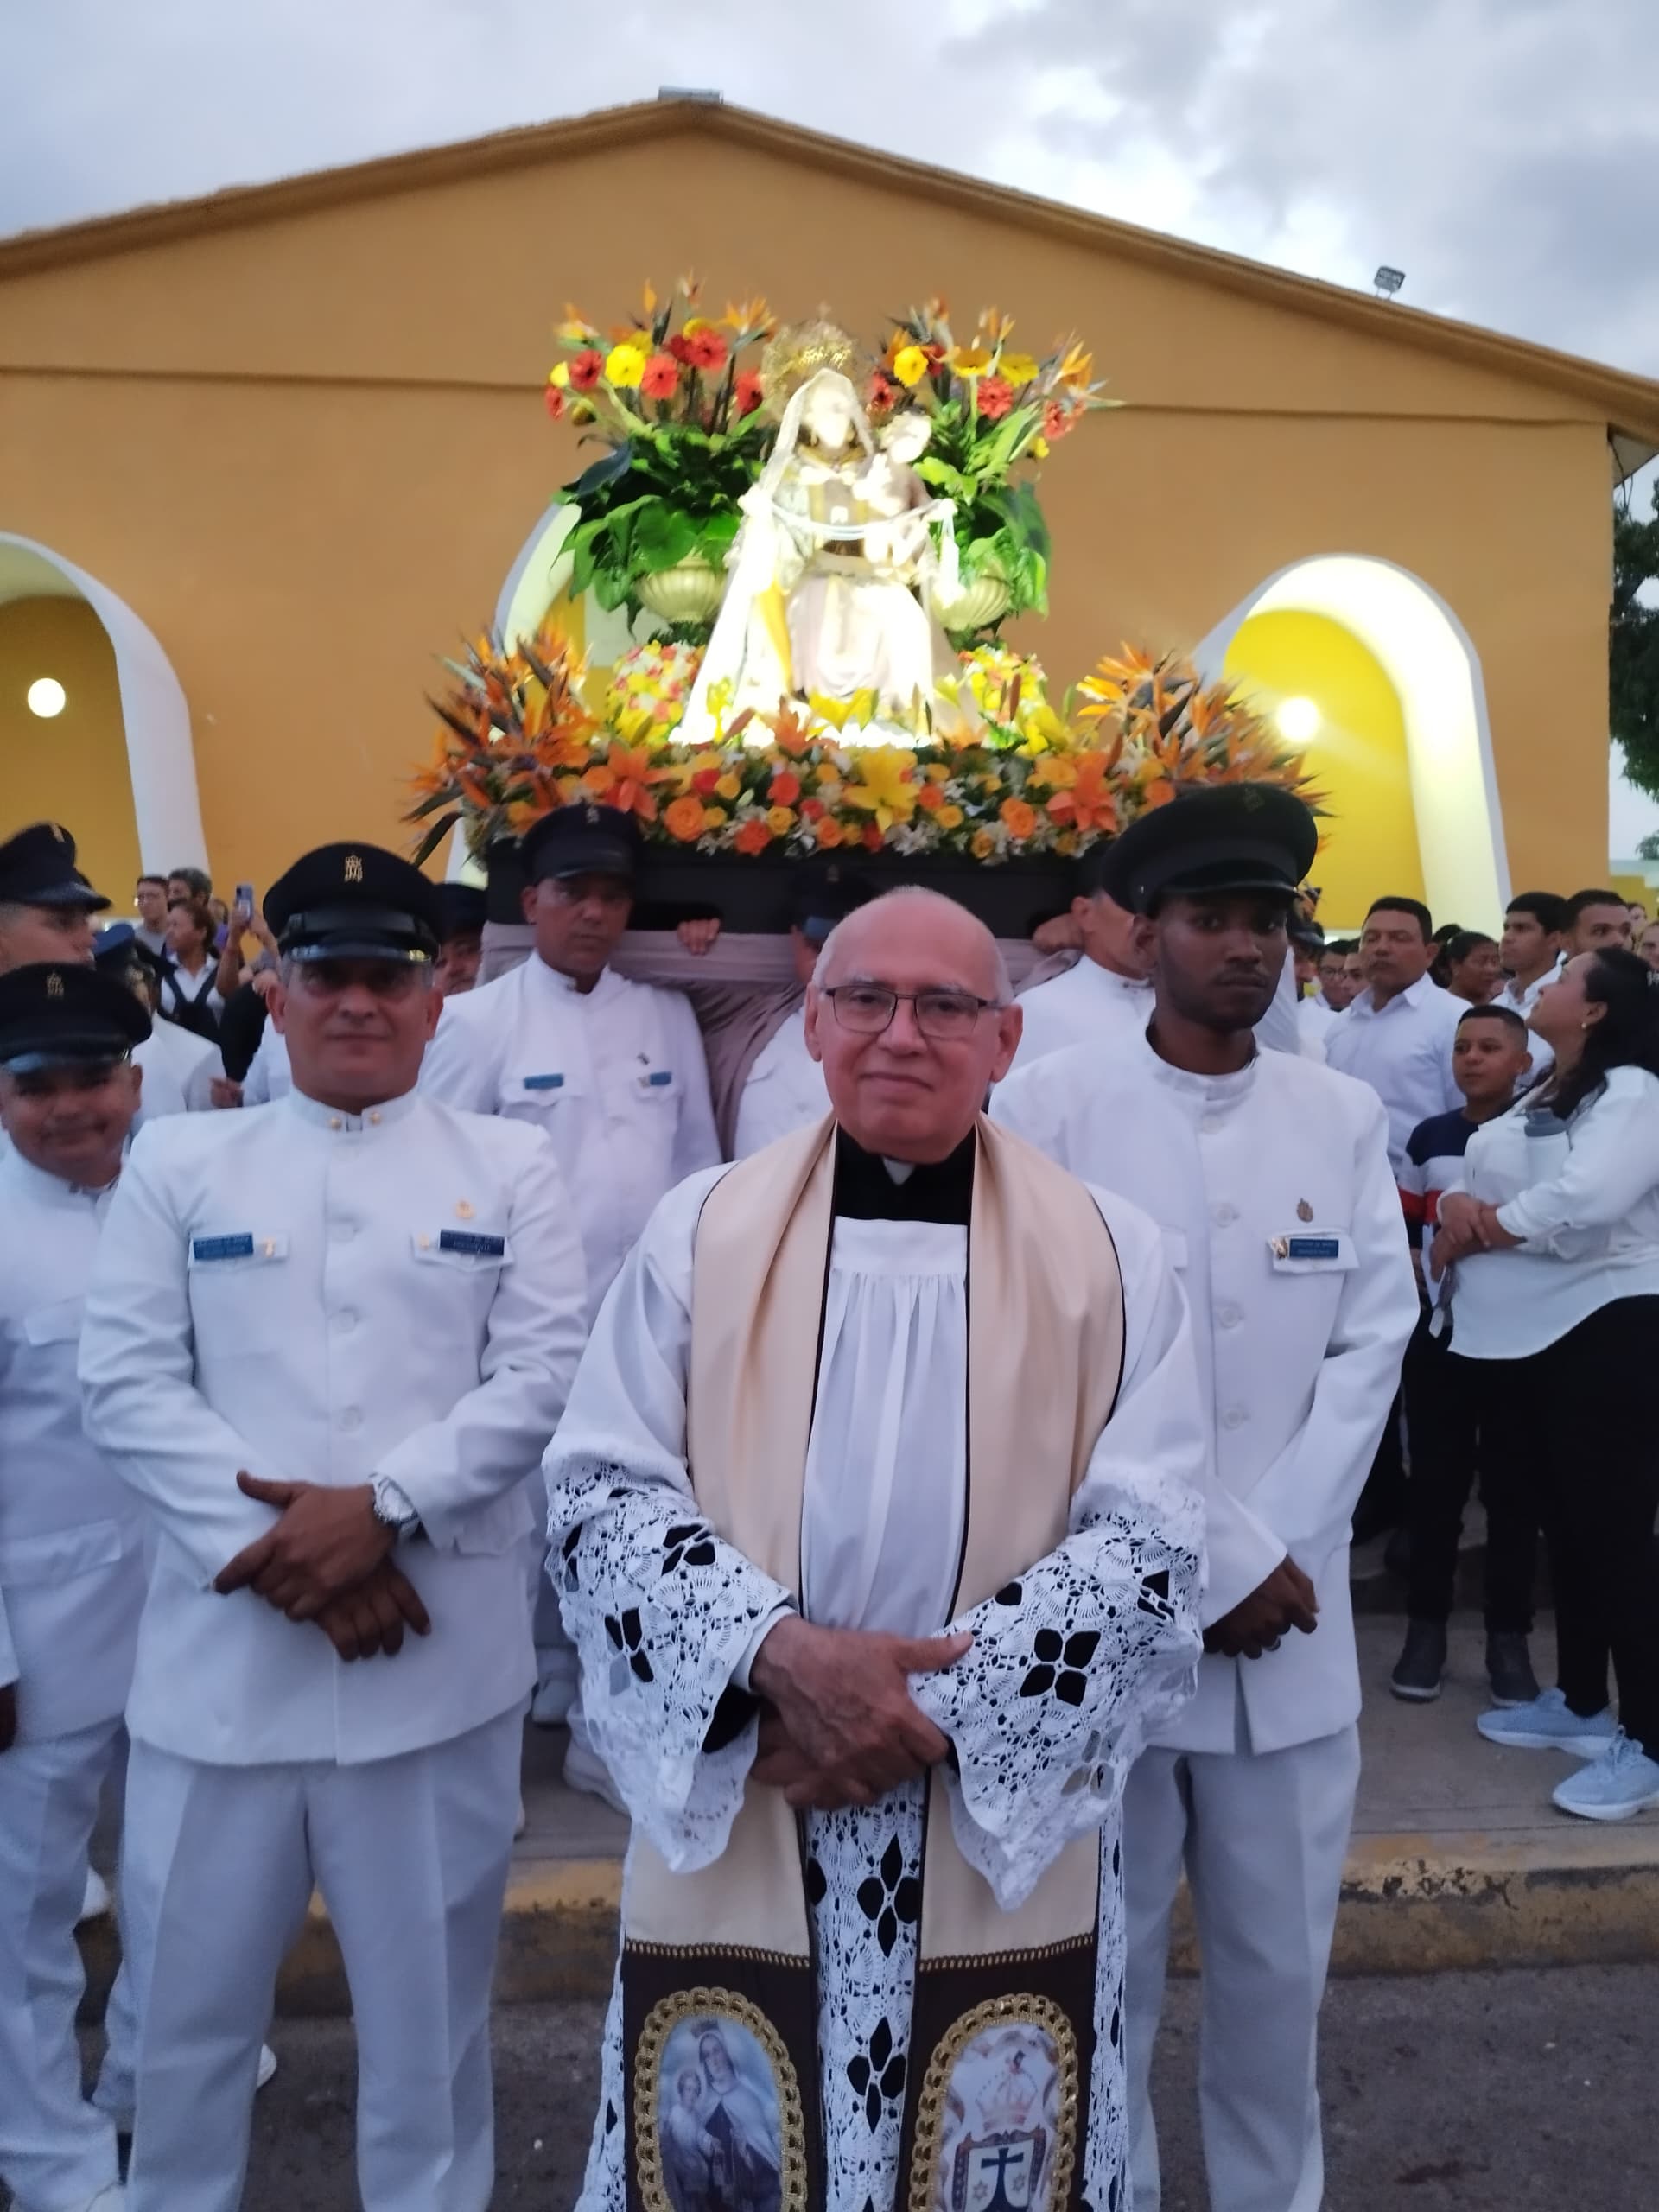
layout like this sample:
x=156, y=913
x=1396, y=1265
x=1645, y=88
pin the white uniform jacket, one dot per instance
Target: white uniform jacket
x=616, y=1076
x=325, y=1297
x=71, y=1534
x=1087, y=1004
x=179, y=1068
x=1283, y=1222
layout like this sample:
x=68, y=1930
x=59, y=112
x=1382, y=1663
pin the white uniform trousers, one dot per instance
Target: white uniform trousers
x=1262, y=1838
x=558, y=1678
x=55, y=2149
x=411, y=1857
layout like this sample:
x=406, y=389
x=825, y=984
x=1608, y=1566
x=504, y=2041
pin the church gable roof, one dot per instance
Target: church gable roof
x=1628, y=404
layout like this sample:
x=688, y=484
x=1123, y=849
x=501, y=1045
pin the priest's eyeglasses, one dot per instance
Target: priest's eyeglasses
x=945, y=1016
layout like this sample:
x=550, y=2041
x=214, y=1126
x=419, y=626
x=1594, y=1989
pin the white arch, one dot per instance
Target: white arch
x=1428, y=657
x=161, y=758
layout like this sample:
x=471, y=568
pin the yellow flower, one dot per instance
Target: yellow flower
x=729, y=786
x=559, y=374
x=948, y=818
x=910, y=365
x=714, y=817
x=983, y=844
x=970, y=360
x=885, y=789
x=625, y=366
x=1039, y=449
x=780, y=820
x=1018, y=368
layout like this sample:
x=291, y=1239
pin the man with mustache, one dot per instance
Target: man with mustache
x=1270, y=1178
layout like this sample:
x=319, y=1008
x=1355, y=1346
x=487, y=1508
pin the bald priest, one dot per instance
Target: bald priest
x=876, y=1518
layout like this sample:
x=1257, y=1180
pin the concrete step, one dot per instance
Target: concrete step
x=1457, y=1860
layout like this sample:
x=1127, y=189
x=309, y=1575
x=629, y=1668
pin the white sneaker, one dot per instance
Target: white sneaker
x=584, y=1769
x=1617, y=1786
x=1548, y=1724
x=552, y=1704
x=267, y=2066
x=522, y=1823
x=94, y=1904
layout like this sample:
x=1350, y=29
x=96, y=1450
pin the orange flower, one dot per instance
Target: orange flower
x=830, y=830
x=684, y=820
x=753, y=836
x=661, y=377
x=1021, y=819
x=785, y=788
x=930, y=799
x=1090, y=804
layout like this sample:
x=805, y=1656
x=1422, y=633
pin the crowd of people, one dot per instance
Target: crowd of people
x=341, y=1426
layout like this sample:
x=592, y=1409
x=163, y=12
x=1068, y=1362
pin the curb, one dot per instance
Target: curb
x=1410, y=1904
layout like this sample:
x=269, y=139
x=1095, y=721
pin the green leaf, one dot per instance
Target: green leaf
x=434, y=838
x=663, y=536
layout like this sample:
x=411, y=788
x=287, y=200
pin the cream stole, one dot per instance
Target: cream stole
x=1045, y=1357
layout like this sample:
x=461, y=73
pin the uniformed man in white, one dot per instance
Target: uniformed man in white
x=1270, y=1177
x=47, y=905
x=326, y=1340
x=612, y=1071
x=72, y=1568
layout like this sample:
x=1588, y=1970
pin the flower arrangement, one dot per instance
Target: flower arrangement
x=681, y=411
x=515, y=739
x=992, y=410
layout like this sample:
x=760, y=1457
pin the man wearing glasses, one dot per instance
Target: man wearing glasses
x=875, y=1507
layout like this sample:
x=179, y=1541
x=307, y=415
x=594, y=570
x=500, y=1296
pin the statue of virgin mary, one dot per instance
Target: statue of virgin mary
x=834, y=562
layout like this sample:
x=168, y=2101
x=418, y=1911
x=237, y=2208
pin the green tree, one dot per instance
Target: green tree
x=1633, y=644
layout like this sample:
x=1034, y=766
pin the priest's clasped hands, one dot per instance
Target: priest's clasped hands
x=1285, y=1600
x=327, y=1561
x=839, y=1726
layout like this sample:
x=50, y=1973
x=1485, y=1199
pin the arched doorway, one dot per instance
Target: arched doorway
x=1370, y=668
x=122, y=706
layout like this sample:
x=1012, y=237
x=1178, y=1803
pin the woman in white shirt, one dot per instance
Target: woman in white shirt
x=189, y=981
x=1553, y=1246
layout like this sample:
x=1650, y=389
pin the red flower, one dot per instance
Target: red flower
x=1055, y=420
x=707, y=349
x=753, y=836
x=585, y=370
x=746, y=393
x=995, y=397
x=661, y=378
x=873, y=835
x=680, y=347
x=812, y=809
x=704, y=781
x=553, y=400
x=883, y=394
x=785, y=788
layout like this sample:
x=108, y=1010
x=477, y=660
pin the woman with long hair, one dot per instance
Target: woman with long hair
x=190, y=977
x=1554, y=1244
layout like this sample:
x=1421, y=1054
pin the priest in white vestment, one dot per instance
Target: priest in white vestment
x=879, y=1588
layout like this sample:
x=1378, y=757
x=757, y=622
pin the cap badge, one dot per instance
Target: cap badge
x=464, y=1209
x=1304, y=1212
x=57, y=830
x=54, y=984
x=354, y=868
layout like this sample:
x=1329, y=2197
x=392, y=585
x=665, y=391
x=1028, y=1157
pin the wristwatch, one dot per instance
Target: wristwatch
x=392, y=1510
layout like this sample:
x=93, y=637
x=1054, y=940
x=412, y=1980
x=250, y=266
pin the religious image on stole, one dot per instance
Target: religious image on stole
x=1002, y=2144
x=718, y=2119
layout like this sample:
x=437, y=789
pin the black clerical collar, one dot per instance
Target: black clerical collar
x=941, y=1190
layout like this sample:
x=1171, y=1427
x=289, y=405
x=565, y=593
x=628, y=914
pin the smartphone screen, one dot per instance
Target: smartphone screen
x=244, y=899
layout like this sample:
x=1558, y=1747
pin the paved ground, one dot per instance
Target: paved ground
x=1461, y=2093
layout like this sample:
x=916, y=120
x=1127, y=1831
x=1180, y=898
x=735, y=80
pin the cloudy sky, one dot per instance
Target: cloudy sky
x=1504, y=153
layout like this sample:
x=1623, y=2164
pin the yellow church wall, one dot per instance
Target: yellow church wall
x=72, y=767
x=306, y=452
x=1357, y=759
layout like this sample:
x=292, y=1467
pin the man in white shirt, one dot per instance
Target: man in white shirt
x=72, y=1569
x=150, y=902
x=1269, y=1176
x=327, y=1343
x=1596, y=921
x=1399, y=1033
x=612, y=1070
x=1530, y=948
x=180, y=1068
x=1313, y=1015
x=1106, y=994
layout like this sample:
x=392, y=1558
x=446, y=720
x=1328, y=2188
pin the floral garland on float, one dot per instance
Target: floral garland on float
x=822, y=543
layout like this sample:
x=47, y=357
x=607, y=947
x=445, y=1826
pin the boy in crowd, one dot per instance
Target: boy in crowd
x=1491, y=1060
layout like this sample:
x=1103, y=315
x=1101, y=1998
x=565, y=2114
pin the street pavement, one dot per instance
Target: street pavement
x=1443, y=2093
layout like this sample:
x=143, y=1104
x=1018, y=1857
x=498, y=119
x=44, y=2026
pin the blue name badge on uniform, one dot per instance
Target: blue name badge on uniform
x=221, y=1248
x=544, y=1083
x=1313, y=1248
x=472, y=1245
x=658, y=1080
